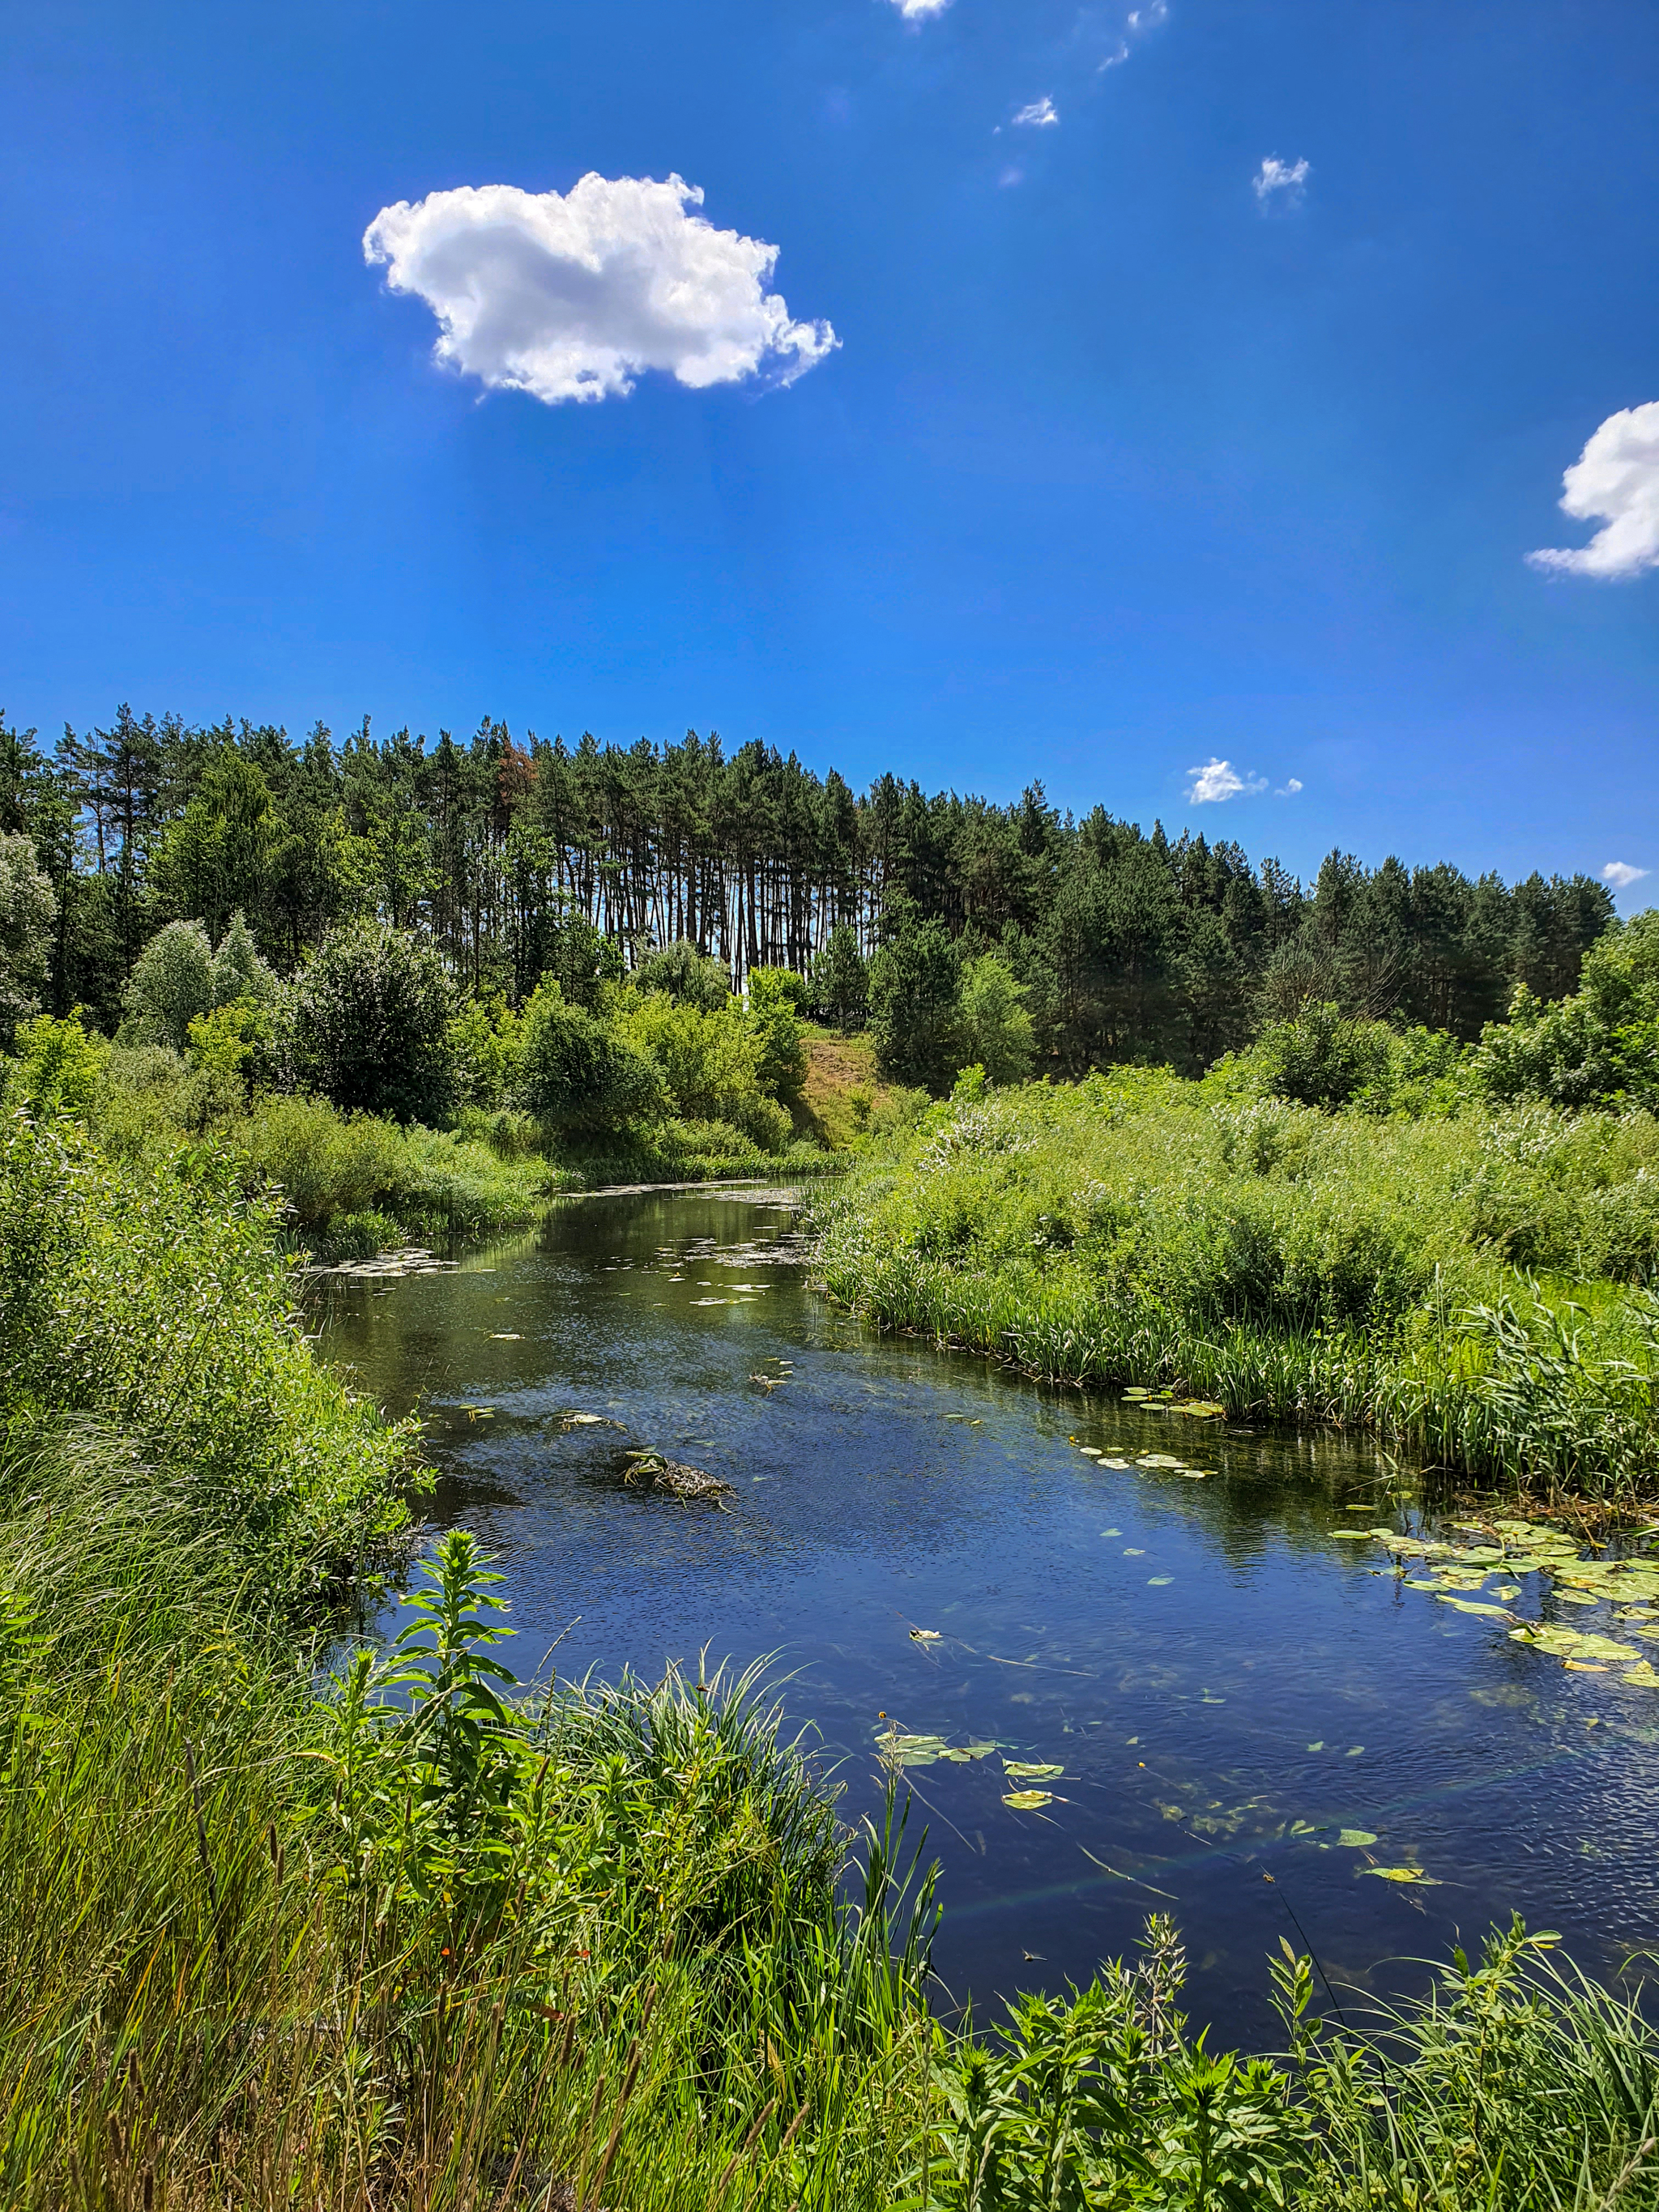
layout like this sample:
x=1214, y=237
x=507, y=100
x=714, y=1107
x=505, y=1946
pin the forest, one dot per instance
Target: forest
x=521, y=859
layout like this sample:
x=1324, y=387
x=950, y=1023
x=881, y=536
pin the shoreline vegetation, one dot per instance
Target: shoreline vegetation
x=396, y=1929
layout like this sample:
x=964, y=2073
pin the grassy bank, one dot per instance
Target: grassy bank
x=1473, y=1286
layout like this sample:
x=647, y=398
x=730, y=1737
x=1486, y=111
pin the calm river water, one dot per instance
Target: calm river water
x=1230, y=1691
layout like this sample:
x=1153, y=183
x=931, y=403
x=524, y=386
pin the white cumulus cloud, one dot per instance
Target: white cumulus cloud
x=917, y=11
x=1291, y=785
x=572, y=296
x=1040, y=112
x=1218, y=780
x=1621, y=875
x=1280, y=181
x=1614, y=481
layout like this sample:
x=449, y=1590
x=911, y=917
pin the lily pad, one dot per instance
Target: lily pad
x=1032, y=1770
x=1641, y=1675
x=1403, y=1874
x=924, y=1636
x=1471, y=1605
x=1157, y=1459
x=1158, y=1581
x=1027, y=1801
x=1352, y=1535
x=1201, y=1409
x=1355, y=1839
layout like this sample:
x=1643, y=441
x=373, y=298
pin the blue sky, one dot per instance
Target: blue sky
x=1120, y=465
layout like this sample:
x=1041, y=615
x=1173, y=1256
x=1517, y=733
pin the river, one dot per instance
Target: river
x=1232, y=1691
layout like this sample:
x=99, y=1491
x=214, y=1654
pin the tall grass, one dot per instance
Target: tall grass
x=1475, y=1290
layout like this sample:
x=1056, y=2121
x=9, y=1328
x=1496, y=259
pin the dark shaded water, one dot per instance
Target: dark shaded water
x=1226, y=1686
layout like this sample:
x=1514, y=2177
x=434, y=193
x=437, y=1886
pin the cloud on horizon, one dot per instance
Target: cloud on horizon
x=1219, y=779
x=574, y=295
x=1621, y=875
x=1614, y=481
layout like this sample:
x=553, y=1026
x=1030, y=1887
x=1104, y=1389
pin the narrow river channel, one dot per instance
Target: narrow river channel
x=1233, y=1693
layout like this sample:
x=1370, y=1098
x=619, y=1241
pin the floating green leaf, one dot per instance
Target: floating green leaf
x=1158, y=1581
x=1031, y=1770
x=1352, y=1535
x=1157, y=1459
x=1355, y=1839
x=1641, y=1675
x=1470, y=1605
x=1027, y=1801
x=924, y=1636
x=1403, y=1874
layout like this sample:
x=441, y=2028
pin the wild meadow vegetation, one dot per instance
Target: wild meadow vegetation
x=1453, y=1246
x=289, y=1916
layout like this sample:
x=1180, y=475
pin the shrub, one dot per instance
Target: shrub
x=680, y=972
x=486, y=1040
x=711, y=1064
x=993, y=1029
x=776, y=996
x=171, y=983
x=578, y=1074
x=325, y=1162
x=371, y=1017
x=1599, y=1047
x=61, y=1067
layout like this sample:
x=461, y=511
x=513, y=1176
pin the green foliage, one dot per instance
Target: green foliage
x=993, y=1028
x=171, y=984
x=486, y=1039
x=1598, y=1048
x=580, y=1074
x=712, y=1063
x=27, y=910
x=776, y=998
x=61, y=1066
x=683, y=974
x=234, y=1043
x=840, y=980
x=1099, y=2100
x=915, y=982
x=150, y=1297
x=1414, y=1275
x=372, y=1017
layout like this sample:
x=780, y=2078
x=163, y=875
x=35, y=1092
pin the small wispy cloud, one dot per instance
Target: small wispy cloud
x=1289, y=788
x=1136, y=25
x=1621, y=875
x=1280, y=184
x=1039, y=113
x=1219, y=779
x=1013, y=174
x=1614, y=481
x=918, y=11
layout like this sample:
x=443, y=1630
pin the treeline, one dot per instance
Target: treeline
x=1127, y=944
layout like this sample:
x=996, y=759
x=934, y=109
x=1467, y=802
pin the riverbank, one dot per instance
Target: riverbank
x=1471, y=1288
